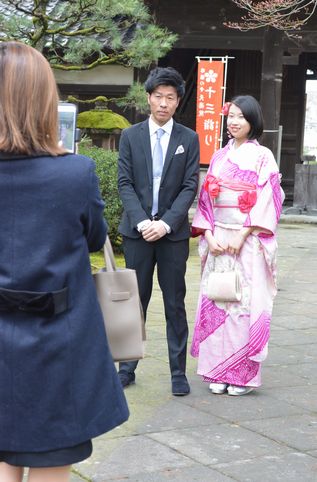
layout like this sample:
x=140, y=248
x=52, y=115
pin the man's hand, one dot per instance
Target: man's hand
x=154, y=231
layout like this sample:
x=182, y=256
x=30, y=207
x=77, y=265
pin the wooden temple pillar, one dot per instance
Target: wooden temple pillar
x=271, y=86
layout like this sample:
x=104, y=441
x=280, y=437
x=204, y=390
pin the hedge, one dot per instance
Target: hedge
x=107, y=171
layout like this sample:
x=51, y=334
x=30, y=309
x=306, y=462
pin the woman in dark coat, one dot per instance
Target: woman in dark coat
x=58, y=383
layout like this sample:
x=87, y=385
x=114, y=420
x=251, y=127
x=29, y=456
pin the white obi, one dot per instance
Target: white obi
x=226, y=208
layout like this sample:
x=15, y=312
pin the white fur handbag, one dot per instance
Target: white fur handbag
x=224, y=286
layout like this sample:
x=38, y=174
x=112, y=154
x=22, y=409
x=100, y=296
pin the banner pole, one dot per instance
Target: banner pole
x=225, y=61
x=212, y=58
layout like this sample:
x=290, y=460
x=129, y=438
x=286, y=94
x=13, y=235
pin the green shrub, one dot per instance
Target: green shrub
x=107, y=171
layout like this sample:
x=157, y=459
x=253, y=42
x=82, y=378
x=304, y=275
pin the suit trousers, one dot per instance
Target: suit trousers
x=170, y=258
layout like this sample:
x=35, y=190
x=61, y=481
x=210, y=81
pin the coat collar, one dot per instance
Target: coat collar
x=146, y=142
x=172, y=146
x=11, y=156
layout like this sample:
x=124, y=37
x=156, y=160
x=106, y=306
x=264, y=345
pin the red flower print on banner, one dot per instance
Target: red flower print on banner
x=246, y=201
x=212, y=186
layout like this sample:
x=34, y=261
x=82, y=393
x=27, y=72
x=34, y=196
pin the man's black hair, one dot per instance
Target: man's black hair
x=252, y=112
x=165, y=76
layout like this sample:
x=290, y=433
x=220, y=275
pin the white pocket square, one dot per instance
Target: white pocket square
x=179, y=150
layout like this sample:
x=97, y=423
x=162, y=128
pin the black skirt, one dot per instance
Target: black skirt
x=51, y=458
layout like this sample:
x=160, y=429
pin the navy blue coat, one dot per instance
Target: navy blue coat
x=58, y=383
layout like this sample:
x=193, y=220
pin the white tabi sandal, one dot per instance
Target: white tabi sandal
x=238, y=391
x=218, y=388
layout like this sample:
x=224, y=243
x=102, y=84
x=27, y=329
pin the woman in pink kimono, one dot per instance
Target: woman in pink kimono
x=239, y=207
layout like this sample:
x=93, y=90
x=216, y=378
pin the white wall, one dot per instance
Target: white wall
x=103, y=74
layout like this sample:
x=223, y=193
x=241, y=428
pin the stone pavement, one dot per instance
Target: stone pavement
x=269, y=435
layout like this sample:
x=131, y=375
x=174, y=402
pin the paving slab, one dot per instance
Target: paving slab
x=292, y=467
x=294, y=308
x=223, y=443
x=279, y=355
x=294, y=337
x=189, y=474
x=175, y=415
x=295, y=431
x=283, y=376
x=256, y=406
x=304, y=397
x=307, y=371
x=134, y=455
x=302, y=321
x=268, y=435
x=297, y=293
x=308, y=351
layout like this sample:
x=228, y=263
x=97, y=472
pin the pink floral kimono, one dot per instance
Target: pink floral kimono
x=242, y=188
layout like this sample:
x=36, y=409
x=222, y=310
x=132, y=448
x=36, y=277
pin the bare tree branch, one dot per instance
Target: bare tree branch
x=286, y=15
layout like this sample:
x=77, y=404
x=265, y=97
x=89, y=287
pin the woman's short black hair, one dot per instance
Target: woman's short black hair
x=165, y=76
x=252, y=112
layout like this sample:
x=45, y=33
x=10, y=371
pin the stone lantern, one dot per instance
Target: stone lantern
x=103, y=126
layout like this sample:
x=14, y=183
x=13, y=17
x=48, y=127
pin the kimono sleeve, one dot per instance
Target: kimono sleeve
x=266, y=212
x=95, y=227
x=204, y=217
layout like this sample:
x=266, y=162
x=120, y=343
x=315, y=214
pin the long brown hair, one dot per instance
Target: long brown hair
x=28, y=102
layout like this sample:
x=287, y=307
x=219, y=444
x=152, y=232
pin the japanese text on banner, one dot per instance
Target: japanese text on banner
x=209, y=104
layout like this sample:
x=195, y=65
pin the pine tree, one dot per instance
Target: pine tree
x=81, y=34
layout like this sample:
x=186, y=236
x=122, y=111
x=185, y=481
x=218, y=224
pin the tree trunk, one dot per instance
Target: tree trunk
x=271, y=86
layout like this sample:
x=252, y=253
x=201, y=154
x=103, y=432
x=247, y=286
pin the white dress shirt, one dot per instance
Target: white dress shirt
x=167, y=128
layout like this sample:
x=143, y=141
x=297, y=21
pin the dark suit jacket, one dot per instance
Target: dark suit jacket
x=58, y=383
x=178, y=184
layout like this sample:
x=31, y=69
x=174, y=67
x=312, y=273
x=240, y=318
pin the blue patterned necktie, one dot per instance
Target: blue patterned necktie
x=157, y=169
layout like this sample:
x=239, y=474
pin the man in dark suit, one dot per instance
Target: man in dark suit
x=158, y=179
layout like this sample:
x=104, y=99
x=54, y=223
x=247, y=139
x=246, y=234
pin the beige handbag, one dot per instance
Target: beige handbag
x=118, y=295
x=224, y=286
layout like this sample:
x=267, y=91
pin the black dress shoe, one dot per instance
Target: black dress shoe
x=126, y=378
x=180, y=386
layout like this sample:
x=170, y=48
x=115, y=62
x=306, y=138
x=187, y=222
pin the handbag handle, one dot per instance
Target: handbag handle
x=109, y=256
x=234, y=256
x=110, y=264
x=234, y=261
